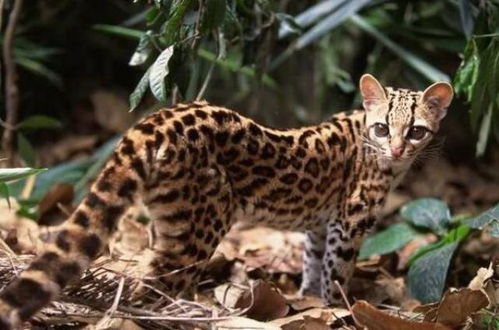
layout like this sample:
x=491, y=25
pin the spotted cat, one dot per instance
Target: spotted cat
x=200, y=168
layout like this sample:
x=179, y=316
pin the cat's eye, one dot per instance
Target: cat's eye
x=416, y=133
x=381, y=130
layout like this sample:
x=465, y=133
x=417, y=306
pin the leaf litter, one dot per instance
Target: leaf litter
x=252, y=281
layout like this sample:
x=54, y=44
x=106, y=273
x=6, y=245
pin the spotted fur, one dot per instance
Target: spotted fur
x=200, y=168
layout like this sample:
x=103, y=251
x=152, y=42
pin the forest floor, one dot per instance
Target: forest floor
x=253, y=279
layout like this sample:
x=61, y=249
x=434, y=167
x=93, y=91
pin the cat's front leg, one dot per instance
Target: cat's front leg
x=344, y=238
x=337, y=263
x=312, y=262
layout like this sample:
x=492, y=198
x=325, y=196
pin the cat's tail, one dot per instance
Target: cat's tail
x=81, y=239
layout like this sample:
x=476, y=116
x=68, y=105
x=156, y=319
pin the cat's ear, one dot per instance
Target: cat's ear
x=438, y=98
x=372, y=91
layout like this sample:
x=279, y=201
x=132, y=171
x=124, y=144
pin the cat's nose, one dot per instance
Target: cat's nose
x=397, y=151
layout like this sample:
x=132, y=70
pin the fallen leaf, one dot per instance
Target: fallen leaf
x=244, y=323
x=458, y=304
x=306, y=302
x=312, y=317
x=308, y=323
x=482, y=275
x=54, y=203
x=374, y=319
x=228, y=295
x=264, y=248
x=264, y=302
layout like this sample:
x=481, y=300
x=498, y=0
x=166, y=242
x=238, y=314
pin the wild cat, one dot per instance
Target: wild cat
x=200, y=168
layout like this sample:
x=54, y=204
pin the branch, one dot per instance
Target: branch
x=11, y=90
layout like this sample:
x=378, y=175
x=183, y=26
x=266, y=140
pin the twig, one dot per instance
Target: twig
x=102, y=324
x=344, y=296
x=11, y=90
x=207, y=79
x=2, y=3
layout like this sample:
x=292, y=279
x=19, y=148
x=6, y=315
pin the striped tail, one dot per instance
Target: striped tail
x=81, y=239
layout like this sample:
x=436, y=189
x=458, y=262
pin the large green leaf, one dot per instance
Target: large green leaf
x=388, y=240
x=25, y=149
x=427, y=212
x=119, y=30
x=12, y=174
x=333, y=13
x=4, y=192
x=38, y=68
x=426, y=277
x=310, y=16
x=139, y=91
x=39, y=121
x=417, y=63
x=159, y=71
x=455, y=235
x=487, y=218
x=466, y=16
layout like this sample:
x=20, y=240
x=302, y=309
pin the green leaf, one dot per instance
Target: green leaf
x=98, y=160
x=119, y=31
x=483, y=134
x=39, y=121
x=288, y=24
x=12, y=174
x=417, y=63
x=466, y=16
x=38, y=68
x=456, y=235
x=139, y=91
x=427, y=212
x=235, y=67
x=487, y=218
x=312, y=15
x=172, y=26
x=494, y=229
x=4, y=192
x=388, y=240
x=159, y=71
x=214, y=15
x=143, y=50
x=333, y=13
x=426, y=277
x=26, y=150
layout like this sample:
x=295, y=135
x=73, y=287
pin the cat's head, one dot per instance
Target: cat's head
x=401, y=122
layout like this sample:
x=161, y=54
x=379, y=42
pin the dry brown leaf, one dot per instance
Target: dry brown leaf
x=264, y=302
x=308, y=323
x=482, y=275
x=306, y=302
x=55, y=203
x=458, y=304
x=244, y=323
x=314, y=316
x=428, y=310
x=264, y=248
x=228, y=294
x=374, y=319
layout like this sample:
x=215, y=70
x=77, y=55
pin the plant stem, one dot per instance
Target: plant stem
x=11, y=90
